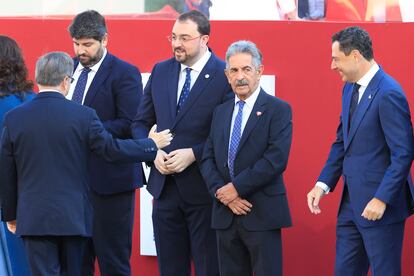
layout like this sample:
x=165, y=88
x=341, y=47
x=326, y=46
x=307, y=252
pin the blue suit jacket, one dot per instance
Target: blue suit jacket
x=190, y=127
x=260, y=161
x=45, y=148
x=376, y=155
x=114, y=94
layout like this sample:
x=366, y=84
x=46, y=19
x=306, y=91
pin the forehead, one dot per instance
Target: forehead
x=335, y=49
x=185, y=27
x=240, y=60
x=85, y=40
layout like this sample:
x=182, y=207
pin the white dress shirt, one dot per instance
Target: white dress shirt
x=247, y=109
x=91, y=75
x=363, y=82
x=195, y=72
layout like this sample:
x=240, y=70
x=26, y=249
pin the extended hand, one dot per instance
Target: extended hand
x=159, y=162
x=314, y=196
x=162, y=138
x=240, y=206
x=11, y=225
x=227, y=193
x=374, y=210
x=179, y=160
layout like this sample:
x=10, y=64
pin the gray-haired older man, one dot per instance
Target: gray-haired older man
x=45, y=147
x=243, y=169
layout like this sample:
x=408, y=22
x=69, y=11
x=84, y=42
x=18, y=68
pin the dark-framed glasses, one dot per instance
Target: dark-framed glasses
x=182, y=39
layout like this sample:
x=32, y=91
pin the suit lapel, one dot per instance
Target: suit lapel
x=205, y=76
x=258, y=108
x=100, y=76
x=227, y=116
x=345, y=110
x=363, y=105
x=172, y=87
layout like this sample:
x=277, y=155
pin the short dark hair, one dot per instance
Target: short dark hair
x=354, y=38
x=88, y=24
x=13, y=71
x=203, y=25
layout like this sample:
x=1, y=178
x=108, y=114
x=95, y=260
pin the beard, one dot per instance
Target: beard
x=89, y=61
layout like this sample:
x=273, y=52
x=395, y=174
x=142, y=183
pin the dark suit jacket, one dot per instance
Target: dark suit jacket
x=45, y=148
x=260, y=161
x=114, y=94
x=190, y=127
x=376, y=155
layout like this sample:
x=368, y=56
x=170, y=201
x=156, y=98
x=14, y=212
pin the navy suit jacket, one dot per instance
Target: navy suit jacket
x=260, y=161
x=376, y=155
x=114, y=94
x=45, y=148
x=190, y=126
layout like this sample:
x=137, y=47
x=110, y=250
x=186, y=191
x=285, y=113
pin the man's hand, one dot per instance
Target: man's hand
x=161, y=139
x=159, y=162
x=314, y=196
x=11, y=225
x=180, y=159
x=374, y=210
x=227, y=193
x=240, y=206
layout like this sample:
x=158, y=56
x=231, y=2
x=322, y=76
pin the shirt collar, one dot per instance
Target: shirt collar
x=96, y=66
x=50, y=90
x=250, y=101
x=199, y=65
x=364, y=81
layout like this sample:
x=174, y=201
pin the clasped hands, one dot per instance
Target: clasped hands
x=229, y=196
x=374, y=210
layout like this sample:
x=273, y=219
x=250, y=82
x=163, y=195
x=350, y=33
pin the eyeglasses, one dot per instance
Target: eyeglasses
x=71, y=79
x=182, y=39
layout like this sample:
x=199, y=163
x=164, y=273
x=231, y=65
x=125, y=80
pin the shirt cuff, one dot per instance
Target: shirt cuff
x=323, y=186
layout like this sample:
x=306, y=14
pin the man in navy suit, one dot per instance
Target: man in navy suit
x=181, y=95
x=113, y=88
x=244, y=160
x=373, y=151
x=45, y=148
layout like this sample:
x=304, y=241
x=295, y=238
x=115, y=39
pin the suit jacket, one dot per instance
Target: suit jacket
x=190, y=126
x=45, y=148
x=376, y=155
x=114, y=94
x=260, y=161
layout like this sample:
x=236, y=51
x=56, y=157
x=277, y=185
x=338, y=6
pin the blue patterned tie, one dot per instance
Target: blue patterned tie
x=186, y=89
x=235, y=138
x=80, y=86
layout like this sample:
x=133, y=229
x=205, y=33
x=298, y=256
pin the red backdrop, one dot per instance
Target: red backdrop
x=298, y=53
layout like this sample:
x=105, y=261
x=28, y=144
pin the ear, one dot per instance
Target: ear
x=226, y=72
x=260, y=70
x=105, y=40
x=205, y=39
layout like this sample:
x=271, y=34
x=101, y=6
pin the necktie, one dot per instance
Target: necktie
x=80, y=86
x=186, y=89
x=235, y=138
x=354, y=103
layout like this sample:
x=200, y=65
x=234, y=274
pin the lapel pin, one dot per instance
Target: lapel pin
x=259, y=113
x=370, y=96
x=206, y=76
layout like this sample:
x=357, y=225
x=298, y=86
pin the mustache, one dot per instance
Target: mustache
x=242, y=82
x=178, y=48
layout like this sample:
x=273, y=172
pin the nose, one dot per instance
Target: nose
x=333, y=65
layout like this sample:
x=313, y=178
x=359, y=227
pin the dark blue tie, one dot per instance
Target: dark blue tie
x=235, y=138
x=80, y=86
x=354, y=103
x=186, y=89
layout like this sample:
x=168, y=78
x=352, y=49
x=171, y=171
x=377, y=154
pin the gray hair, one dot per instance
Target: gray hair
x=52, y=68
x=246, y=47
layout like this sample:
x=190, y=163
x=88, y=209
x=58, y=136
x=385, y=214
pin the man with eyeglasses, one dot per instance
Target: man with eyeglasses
x=113, y=88
x=180, y=95
x=45, y=147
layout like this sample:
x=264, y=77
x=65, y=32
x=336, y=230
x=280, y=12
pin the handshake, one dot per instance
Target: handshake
x=162, y=138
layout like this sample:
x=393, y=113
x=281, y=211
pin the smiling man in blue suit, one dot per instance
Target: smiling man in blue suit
x=181, y=95
x=45, y=148
x=113, y=88
x=373, y=151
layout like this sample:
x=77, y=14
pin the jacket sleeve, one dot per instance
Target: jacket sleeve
x=116, y=150
x=8, y=178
